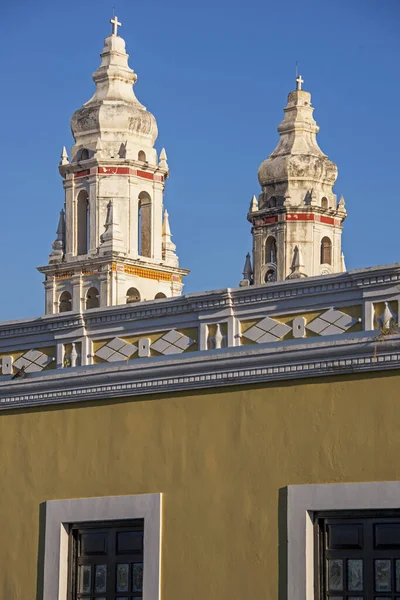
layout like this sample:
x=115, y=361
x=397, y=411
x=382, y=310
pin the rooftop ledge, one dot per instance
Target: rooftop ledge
x=332, y=324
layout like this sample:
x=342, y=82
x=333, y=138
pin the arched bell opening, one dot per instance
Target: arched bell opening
x=132, y=295
x=326, y=251
x=144, y=225
x=92, y=298
x=82, y=219
x=65, y=302
x=270, y=250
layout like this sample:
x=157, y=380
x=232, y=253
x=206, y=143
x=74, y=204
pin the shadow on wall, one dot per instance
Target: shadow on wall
x=282, y=544
x=40, y=554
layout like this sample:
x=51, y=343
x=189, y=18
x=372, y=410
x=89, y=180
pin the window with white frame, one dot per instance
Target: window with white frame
x=103, y=548
x=343, y=541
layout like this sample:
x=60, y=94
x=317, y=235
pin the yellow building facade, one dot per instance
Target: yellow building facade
x=222, y=460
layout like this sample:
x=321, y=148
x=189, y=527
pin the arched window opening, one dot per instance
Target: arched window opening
x=142, y=156
x=92, y=298
x=132, y=295
x=84, y=154
x=270, y=275
x=326, y=251
x=324, y=203
x=272, y=202
x=159, y=295
x=65, y=302
x=270, y=250
x=82, y=222
x=144, y=225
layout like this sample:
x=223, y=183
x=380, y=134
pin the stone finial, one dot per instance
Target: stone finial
x=247, y=269
x=287, y=199
x=297, y=265
x=313, y=197
x=247, y=272
x=59, y=243
x=388, y=318
x=168, y=246
x=111, y=240
x=163, y=160
x=64, y=157
x=218, y=337
x=342, y=263
x=341, y=208
x=253, y=204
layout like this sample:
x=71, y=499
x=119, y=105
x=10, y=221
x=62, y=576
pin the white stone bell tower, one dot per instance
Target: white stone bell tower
x=296, y=220
x=113, y=239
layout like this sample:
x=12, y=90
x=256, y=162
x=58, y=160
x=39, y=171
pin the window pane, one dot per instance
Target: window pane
x=137, y=577
x=382, y=576
x=85, y=572
x=93, y=543
x=129, y=541
x=355, y=575
x=123, y=578
x=397, y=575
x=100, y=578
x=335, y=574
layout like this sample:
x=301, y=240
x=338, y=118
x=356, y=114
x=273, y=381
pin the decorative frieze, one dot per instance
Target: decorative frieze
x=198, y=328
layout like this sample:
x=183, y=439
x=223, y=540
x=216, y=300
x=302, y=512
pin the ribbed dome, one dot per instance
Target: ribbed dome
x=114, y=109
x=298, y=155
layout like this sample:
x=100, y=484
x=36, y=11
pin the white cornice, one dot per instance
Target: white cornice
x=215, y=368
x=236, y=314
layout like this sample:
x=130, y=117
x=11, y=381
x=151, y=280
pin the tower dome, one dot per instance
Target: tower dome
x=297, y=161
x=113, y=114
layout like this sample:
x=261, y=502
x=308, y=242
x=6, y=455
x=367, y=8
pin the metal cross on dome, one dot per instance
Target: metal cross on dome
x=115, y=23
x=299, y=81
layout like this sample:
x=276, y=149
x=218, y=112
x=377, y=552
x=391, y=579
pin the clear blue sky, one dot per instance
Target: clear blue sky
x=216, y=74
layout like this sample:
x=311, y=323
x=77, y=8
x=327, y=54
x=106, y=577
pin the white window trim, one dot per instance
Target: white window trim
x=61, y=513
x=303, y=501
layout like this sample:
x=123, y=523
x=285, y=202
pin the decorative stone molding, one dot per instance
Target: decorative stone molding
x=242, y=335
x=206, y=369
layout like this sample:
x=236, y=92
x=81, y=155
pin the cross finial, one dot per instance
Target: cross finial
x=115, y=23
x=299, y=81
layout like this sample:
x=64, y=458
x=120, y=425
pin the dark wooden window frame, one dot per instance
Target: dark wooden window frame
x=321, y=554
x=111, y=558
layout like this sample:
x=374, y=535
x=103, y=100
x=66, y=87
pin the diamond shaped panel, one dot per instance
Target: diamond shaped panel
x=116, y=350
x=332, y=322
x=172, y=342
x=266, y=330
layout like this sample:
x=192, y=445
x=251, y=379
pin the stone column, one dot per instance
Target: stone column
x=76, y=281
x=257, y=253
x=69, y=187
x=50, y=295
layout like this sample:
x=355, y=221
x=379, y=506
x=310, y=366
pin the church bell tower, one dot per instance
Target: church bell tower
x=296, y=220
x=113, y=240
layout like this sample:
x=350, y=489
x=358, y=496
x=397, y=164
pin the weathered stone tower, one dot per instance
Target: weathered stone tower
x=296, y=221
x=113, y=240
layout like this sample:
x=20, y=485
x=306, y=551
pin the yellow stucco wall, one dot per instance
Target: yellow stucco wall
x=219, y=457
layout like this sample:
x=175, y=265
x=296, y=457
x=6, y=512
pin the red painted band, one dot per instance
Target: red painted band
x=82, y=173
